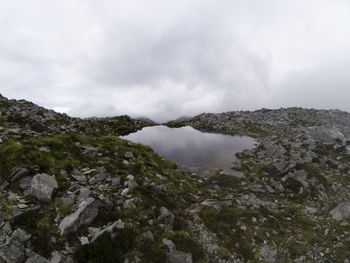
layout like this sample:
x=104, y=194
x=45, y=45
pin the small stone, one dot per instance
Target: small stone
x=84, y=241
x=129, y=155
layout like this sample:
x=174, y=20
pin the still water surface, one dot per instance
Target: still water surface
x=192, y=149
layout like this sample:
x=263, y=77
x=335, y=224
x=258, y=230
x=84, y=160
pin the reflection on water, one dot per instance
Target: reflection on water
x=191, y=148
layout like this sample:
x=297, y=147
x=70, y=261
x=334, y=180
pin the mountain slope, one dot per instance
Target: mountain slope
x=72, y=191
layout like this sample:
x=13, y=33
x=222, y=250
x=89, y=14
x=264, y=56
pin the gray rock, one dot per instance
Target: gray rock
x=37, y=259
x=101, y=176
x=167, y=215
x=148, y=235
x=268, y=254
x=84, y=241
x=57, y=257
x=90, y=151
x=170, y=244
x=18, y=173
x=80, y=178
x=14, y=250
x=301, y=176
x=115, y=181
x=212, y=203
x=234, y=173
x=92, y=181
x=326, y=135
x=2, y=214
x=116, y=225
x=129, y=203
x=42, y=187
x=85, y=215
x=25, y=182
x=179, y=257
x=21, y=235
x=84, y=194
x=341, y=212
x=129, y=155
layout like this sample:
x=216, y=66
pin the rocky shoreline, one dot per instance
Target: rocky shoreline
x=72, y=191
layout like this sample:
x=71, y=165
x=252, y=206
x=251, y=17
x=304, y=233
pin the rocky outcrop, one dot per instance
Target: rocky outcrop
x=84, y=216
x=65, y=184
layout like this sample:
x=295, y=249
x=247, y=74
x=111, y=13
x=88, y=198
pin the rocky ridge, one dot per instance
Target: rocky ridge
x=72, y=191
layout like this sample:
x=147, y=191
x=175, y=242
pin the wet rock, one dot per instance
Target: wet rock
x=42, y=187
x=85, y=215
x=341, y=212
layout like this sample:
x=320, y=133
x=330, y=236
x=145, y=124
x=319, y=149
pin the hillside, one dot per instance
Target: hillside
x=72, y=191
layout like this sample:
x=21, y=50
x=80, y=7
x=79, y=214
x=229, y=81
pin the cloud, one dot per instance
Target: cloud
x=164, y=59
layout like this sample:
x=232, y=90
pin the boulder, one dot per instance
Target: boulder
x=42, y=187
x=84, y=216
x=14, y=250
x=341, y=212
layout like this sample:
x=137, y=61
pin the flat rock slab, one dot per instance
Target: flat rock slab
x=85, y=215
x=231, y=172
x=341, y=212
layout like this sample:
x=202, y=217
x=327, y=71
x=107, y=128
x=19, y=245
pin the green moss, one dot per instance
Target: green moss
x=223, y=223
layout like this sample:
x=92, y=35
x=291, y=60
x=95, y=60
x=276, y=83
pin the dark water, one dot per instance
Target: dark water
x=192, y=149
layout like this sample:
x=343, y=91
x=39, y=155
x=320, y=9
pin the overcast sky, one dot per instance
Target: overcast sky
x=164, y=59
